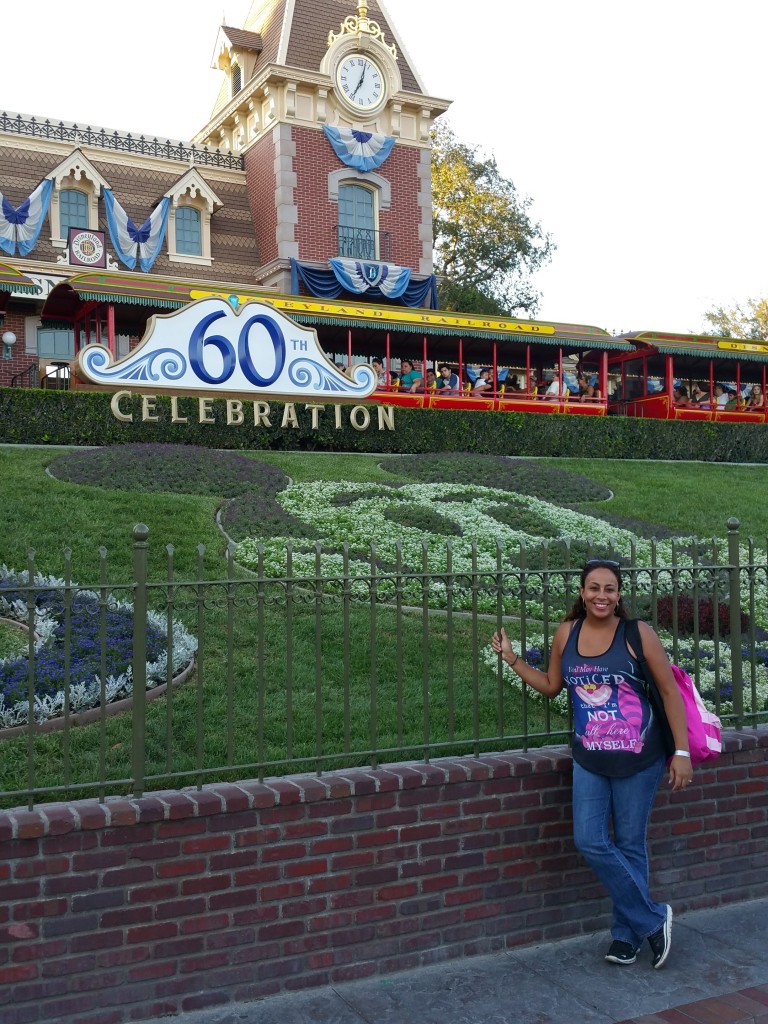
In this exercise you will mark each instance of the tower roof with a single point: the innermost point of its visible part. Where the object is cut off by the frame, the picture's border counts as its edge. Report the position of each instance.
(295, 34)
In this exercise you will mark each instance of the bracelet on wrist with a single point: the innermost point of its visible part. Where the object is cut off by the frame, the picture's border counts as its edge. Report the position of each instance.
(682, 753)
(513, 663)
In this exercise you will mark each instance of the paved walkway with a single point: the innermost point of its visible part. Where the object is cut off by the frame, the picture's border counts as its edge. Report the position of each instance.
(717, 973)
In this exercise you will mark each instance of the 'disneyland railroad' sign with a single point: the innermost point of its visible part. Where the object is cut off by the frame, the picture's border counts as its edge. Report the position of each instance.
(210, 347)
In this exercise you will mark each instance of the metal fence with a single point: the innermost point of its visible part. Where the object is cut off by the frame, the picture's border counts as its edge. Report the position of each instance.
(309, 671)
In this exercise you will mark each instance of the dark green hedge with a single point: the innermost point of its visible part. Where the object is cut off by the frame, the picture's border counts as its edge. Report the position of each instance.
(84, 417)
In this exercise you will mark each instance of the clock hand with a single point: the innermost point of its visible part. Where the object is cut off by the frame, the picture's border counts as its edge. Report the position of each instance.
(354, 91)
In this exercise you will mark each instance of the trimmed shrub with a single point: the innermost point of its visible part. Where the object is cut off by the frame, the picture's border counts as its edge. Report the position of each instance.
(34, 416)
(685, 613)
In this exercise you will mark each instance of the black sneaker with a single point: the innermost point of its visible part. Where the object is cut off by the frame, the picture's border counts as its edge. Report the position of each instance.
(621, 952)
(661, 941)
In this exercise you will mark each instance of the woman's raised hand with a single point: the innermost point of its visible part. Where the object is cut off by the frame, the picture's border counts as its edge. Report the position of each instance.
(501, 644)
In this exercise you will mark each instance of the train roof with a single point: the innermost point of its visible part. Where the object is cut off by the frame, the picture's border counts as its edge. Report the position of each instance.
(705, 345)
(166, 293)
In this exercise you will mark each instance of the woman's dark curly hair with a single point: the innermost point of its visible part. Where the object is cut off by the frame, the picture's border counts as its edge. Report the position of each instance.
(579, 609)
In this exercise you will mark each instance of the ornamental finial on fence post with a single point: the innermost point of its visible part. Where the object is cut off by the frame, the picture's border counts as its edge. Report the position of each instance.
(734, 600)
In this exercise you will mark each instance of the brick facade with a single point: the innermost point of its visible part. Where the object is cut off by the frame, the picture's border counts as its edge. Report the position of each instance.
(135, 908)
(318, 216)
(20, 359)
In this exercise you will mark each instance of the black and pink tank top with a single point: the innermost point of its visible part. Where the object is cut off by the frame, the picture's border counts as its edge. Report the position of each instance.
(615, 729)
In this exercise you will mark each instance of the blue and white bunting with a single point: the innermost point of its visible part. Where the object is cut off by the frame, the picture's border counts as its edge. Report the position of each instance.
(363, 151)
(359, 275)
(129, 240)
(21, 225)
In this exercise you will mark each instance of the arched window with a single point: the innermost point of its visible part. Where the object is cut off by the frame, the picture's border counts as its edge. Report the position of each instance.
(358, 237)
(73, 210)
(237, 79)
(189, 237)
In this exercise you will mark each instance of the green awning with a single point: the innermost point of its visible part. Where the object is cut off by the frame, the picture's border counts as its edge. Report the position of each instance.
(702, 346)
(12, 280)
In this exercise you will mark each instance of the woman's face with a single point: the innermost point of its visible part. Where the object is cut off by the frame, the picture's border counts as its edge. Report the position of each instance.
(756, 390)
(600, 593)
(405, 366)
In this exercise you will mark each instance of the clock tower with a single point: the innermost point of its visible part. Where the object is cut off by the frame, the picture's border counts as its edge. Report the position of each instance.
(333, 123)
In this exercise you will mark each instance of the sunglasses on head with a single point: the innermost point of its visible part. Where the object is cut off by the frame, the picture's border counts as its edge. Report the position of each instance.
(606, 563)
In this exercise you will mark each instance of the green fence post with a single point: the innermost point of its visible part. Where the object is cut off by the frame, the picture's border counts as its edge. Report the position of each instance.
(140, 547)
(734, 599)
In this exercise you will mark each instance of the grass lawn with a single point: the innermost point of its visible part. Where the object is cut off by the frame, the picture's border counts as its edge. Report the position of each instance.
(252, 713)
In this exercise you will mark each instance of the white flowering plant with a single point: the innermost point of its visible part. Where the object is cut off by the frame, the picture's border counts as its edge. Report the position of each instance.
(359, 525)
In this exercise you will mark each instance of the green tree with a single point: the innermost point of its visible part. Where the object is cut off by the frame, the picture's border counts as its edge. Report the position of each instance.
(750, 323)
(486, 246)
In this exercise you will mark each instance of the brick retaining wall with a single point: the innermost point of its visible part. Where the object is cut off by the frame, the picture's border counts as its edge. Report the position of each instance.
(131, 909)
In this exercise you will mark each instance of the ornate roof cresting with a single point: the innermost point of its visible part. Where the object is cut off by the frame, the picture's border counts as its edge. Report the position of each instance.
(360, 24)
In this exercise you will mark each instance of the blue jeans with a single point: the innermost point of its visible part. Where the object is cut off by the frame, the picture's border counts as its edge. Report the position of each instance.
(621, 862)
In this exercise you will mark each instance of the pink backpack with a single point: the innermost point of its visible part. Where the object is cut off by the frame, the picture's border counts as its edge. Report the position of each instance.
(704, 727)
(705, 739)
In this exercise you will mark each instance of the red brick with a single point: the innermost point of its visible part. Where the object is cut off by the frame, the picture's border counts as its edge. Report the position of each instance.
(40, 908)
(177, 868)
(15, 973)
(206, 844)
(152, 933)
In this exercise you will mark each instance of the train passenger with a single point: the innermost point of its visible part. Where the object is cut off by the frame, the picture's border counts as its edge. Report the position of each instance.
(755, 399)
(554, 388)
(483, 381)
(593, 388)
(699, 397)
(450, 379)
(431, 384)
(410, 380)
(681, 398)
(378, 369)
(721, 396)
(514, 383)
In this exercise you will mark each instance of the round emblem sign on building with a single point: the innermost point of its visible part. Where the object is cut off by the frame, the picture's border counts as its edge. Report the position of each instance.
(86, 248)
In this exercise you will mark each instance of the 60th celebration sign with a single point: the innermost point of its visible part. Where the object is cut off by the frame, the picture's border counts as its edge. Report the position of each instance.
(210, 347)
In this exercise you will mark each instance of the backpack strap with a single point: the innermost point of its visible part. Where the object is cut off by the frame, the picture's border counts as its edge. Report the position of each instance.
(632, 634)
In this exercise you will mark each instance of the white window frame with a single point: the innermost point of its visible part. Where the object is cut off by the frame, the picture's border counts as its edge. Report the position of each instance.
(192, 190)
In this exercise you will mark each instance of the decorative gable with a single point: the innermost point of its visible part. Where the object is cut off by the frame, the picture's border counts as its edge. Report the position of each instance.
(75, 172)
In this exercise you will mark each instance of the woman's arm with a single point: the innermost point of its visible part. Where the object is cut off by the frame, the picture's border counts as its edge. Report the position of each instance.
(551, 682)
(680, 768)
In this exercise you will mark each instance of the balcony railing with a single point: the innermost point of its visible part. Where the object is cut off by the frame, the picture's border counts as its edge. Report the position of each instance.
(363, 243)
(84, 135)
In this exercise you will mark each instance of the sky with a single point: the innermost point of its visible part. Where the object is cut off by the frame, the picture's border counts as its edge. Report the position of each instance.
(638, 130)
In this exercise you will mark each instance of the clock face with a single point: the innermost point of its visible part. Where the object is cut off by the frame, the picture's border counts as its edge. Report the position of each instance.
(360, 82)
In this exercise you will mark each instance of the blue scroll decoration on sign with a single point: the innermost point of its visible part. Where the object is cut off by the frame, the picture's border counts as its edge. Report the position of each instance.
(171, 365)
(359, 275)
(21, 225)
(129, 240)
(364, 151)
(306, 373)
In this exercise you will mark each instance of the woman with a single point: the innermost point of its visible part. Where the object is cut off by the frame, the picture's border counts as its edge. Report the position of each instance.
(409, 378)
(680, 397)
(755, 399)
(699, 397)
(617, 750)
